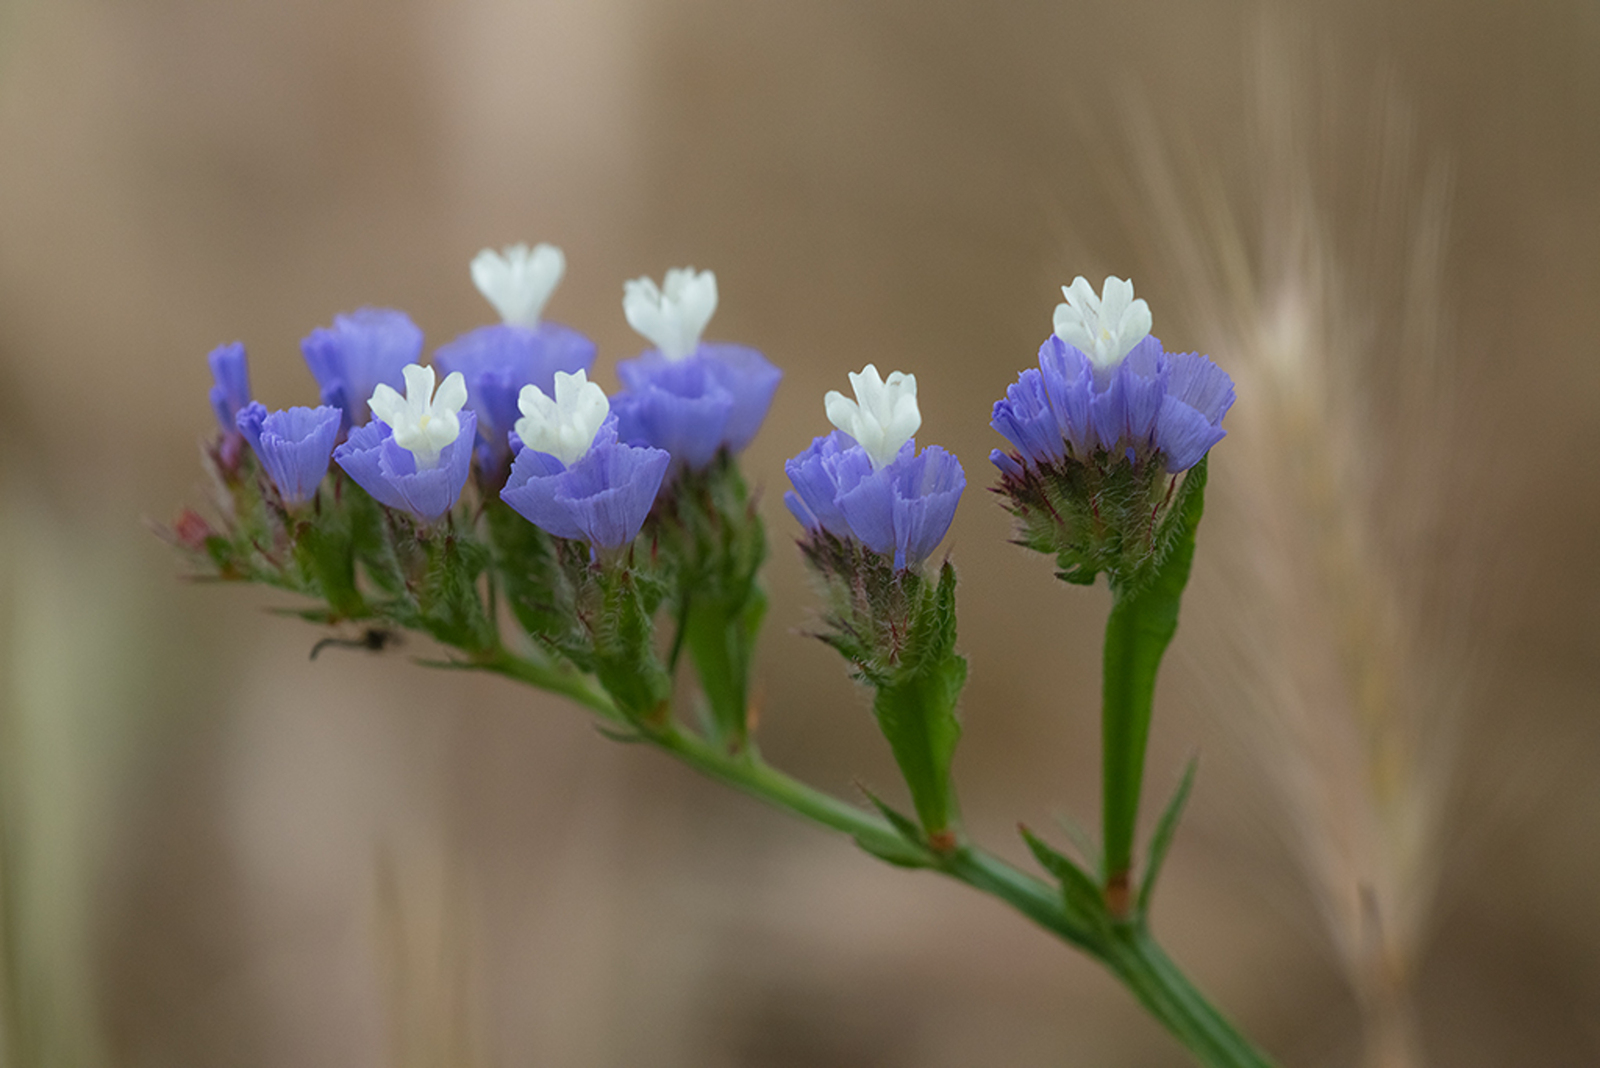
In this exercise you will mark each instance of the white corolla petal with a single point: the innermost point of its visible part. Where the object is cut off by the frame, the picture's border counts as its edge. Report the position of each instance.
(422, 422)
(1082, 297)
(518, 281)
(1136, 324)
(419, 387)
(843, 412)
(533, 404)
(641, 306)
(695, 292)
(671, 316)
(564, 426)
(840, 408)
(1104, 328)
(387, 404)
(884, 415)
(585, 400)
(868, 385)
(903, 417)
(1117, 296)
(452, 392)
(436, 430)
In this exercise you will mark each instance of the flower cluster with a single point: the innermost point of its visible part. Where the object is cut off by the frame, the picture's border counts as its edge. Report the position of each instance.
(618, 535)
(596, 520)
(1102, 433)
(1099, 431)
(515, 404)
(1099, 428)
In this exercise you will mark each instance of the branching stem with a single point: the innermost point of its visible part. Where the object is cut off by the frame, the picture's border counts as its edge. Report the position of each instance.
(1127, 949)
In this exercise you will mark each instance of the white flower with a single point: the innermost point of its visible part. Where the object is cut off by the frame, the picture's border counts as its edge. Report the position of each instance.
(672, 317)
(1104, 328)
(564, 427)
(423, 421)
(883, 416)
(519, 281)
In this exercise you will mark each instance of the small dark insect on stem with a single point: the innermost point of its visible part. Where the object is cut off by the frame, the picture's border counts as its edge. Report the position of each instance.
(373, 640)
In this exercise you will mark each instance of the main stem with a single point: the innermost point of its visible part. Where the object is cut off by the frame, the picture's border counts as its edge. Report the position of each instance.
(1144, 617)
(1127, 949)
(1128, 687)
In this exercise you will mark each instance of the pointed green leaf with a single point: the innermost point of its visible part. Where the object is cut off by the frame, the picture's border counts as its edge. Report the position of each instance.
(1087, 847)
(1166, 827)
(714, 543)
(447, 595)
(624, 650)
(917, 716)
(1081, 893)
(911, 851)
(900, 856)
(916, 701)
(906, 827)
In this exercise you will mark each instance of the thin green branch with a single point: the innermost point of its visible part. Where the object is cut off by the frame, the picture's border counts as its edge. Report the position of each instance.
(556, 678)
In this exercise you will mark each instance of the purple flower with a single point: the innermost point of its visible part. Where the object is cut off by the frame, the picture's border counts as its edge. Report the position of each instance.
(292, 445)
(497, 361)
(684, 395)
(602, 497)
(1199, 394)
(1149, 403)
(1105, 386)
(1100, 431)
(833, 463)
(361, 351)
(231, 391)
(390, 473)
(713, 399)
(906, 507)
(902, 509)
(867, 481)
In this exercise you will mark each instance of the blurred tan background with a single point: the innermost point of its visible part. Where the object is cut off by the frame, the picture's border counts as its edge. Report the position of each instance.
(218, 853)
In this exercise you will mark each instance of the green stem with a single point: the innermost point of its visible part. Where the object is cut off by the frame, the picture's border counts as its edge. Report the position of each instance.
(1132, 653)
(561, 679)
(747, 772)
(1166, 993)
(1143, 619)
(1127, 950)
